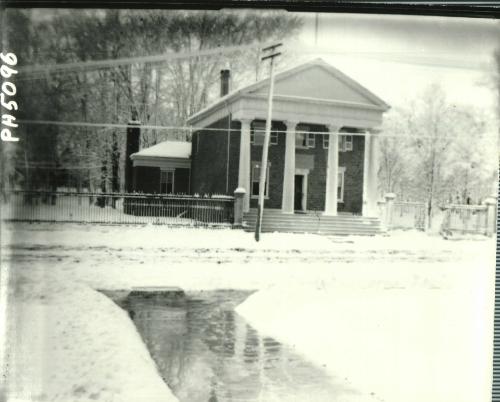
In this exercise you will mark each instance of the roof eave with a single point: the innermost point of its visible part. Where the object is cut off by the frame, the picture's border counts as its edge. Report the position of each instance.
(154, 157)
(219, 104)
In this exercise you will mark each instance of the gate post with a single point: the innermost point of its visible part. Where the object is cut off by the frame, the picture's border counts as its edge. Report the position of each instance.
(491, 216)
(239, 195)
(389, 202)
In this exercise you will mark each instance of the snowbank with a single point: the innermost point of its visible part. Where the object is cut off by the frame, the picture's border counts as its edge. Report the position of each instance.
(70, 343)
(412, 344)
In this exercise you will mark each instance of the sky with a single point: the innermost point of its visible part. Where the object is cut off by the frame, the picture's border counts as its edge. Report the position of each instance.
(396, 57)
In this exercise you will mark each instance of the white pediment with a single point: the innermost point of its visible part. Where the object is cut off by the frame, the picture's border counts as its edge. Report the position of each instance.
(314, 92)
(319, 80)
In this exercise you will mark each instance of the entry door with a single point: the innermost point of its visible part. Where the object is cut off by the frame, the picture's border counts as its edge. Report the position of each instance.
(298, 195)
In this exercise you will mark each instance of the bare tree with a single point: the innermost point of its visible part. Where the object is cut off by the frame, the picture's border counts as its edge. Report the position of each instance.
(471, 163)
(393, 173)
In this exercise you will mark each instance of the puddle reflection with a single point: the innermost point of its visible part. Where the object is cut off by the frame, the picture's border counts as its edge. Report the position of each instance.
(206, 352)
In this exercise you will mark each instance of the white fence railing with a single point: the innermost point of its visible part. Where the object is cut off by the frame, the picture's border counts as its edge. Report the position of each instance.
(476, 219)
(402, 214)
(408, 215)
(118, 208)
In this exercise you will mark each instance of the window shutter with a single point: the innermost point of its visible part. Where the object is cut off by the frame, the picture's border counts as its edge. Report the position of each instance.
(348, 144)
(311, 140)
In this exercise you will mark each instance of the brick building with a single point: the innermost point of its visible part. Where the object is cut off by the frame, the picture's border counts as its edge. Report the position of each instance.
(322, 154)
(162, 169)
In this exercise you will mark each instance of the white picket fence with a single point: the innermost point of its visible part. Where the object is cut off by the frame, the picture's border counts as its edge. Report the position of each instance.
(118, 208)
(455, 218)
(476, 219)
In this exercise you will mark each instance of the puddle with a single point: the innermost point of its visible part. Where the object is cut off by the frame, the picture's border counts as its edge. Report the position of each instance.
(206, 352)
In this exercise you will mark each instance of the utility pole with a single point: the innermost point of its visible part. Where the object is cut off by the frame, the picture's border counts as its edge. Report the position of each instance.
(265, 146)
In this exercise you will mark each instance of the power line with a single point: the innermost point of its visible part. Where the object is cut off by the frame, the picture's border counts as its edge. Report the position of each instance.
(95, 125)
(225, 130)
(108, 63)
(37, 167)
(412, 58)
(409, 58)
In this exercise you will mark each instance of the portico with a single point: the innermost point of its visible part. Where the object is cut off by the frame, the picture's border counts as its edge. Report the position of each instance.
(291, 169)
(324, 142)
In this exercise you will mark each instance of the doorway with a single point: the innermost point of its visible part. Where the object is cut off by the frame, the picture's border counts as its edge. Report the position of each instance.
(299, 193)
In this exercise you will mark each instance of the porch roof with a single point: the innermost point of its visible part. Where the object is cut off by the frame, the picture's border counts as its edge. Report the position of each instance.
(165, 155)
(165, 149)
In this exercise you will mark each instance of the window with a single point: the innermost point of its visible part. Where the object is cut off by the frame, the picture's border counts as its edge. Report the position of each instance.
(303, 139)
(259, 131)
(274, 138)
(256, 179)
(326, 141)
(345, 143)
(340, 184)
(166, 182)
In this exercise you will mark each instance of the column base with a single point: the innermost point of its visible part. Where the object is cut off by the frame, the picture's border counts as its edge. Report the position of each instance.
(370, 211)
(330, 213)
(246, 204)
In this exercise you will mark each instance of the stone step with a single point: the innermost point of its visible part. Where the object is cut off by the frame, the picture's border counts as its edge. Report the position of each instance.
(293, 218)
(343, 224)
(315, 223)
(309, 216)
(332, 232)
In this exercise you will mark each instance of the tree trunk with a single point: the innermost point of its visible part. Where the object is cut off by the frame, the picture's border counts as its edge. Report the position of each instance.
(115, 165)
(431, 192)
(101, 201)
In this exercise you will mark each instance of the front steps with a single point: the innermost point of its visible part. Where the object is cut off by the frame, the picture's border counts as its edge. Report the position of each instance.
(343, 224)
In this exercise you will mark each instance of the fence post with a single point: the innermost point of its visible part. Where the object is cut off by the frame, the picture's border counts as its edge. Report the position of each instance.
(239, 194)
(491, 216)
(389, 202)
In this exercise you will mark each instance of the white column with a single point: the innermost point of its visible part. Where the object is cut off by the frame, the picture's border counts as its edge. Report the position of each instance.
(244, 165)
(288, 202)
(332, 169)
(366, 169)
(371, 153)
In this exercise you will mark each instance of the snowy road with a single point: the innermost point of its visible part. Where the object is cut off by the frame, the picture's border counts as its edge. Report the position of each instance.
(410, 315)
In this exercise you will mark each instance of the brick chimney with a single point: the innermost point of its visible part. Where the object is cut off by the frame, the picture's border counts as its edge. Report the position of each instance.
(225, 78)
(132, 146)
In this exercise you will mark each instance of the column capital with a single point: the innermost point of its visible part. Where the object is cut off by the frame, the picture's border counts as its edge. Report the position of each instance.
(244, 120)
(333, 128)
(290, 124)
(373, 131)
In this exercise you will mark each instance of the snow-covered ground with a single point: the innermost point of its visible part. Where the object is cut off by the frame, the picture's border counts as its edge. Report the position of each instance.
(67, 342)
(403, 317)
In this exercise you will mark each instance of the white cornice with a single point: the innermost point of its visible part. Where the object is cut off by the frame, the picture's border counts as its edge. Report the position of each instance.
(228, 100)
(304, 99)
